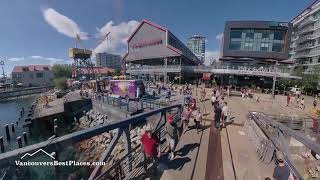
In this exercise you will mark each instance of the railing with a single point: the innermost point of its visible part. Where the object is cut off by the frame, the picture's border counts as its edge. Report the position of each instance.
(23, 92)
(124, 132)
(280, 132)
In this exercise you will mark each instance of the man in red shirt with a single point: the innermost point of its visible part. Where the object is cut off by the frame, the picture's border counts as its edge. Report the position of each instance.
(151, 150)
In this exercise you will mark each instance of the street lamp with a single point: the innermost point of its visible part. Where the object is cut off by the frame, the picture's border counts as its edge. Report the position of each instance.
(274, 79)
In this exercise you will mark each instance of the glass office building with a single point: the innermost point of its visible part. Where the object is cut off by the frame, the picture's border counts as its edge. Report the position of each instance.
(256, 40)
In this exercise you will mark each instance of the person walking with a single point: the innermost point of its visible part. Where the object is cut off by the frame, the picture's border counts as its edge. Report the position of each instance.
(303, 106)
(225, 114)
(171, 134)
(186, 114)
(217, 115)
(282, 170)
(288, 100)
(151, 150)
(198, 119)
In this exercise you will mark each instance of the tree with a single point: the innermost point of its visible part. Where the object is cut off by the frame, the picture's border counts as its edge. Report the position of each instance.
(117, 72)
(62, 70)
(60, 83)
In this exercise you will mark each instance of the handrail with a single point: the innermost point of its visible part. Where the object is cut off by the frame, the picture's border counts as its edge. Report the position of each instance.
(69, 139)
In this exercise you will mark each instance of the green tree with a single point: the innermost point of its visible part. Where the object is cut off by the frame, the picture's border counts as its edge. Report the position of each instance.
(117, 72)
(60, 83)
(62, 70)
(309, 81)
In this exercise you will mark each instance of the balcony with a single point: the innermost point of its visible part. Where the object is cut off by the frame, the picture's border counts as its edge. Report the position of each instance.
(305, 47)
(306, 38)
(308, 21)
(306, 30)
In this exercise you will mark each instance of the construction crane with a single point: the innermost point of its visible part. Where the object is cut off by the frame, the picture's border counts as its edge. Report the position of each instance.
(82, 63)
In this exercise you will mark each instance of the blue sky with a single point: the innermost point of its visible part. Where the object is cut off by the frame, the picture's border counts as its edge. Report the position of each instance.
(41, 31)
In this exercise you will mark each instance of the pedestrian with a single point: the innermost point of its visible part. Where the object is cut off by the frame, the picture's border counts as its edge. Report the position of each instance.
(303, 106)
(288, 99)
(186, 114)
(225, 118)
(193, 105)
(282, 170)
(217, 115)
(298, 100)
(228, 91)
(213, 99)
(151, 150)
(171, 134)
(198, 119)
(315, 101)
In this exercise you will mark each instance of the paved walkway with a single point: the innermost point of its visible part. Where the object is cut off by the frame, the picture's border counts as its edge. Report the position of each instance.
(228, 154)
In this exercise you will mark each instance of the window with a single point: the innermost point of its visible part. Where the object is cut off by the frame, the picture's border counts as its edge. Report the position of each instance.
(276, 47)
(235, 34)
(278, 35)
(39, 75)
(235, 45)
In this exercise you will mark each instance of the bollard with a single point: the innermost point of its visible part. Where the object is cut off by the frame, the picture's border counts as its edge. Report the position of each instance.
(55, 122)
(1, 144)
(19, 141)
(12, 127)
(55, 130)
(7, 132)
(25, 138)
(20, 113)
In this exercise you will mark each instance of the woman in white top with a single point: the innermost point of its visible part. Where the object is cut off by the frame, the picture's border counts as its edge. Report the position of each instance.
(225, 114)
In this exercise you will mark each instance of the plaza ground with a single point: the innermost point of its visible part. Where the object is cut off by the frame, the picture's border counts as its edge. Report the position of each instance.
(228, 154)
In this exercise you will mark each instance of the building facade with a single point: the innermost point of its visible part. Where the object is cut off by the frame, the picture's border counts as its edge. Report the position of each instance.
(153, 45)
(256, 45)
(112, 61)
(33, 75)
(305, 44)
(258, 41)
(197, 44)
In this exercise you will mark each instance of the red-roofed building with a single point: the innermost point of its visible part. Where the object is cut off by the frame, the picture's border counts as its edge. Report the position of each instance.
(33, 75)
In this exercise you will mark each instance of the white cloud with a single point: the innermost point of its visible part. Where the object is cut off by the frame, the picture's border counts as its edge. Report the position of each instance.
(36, 57)
(211, 56)
(117, 39)
(15, 59)
(219, 36)
(63, 24)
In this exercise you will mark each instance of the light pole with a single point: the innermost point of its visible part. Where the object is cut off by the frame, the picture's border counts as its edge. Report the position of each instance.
(165, 70)
(274, 79)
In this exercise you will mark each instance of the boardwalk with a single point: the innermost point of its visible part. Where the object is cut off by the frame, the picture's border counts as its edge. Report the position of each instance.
(227, 154)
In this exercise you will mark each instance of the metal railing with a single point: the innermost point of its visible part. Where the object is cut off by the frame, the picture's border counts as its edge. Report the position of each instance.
(278, 130)
(122, 133)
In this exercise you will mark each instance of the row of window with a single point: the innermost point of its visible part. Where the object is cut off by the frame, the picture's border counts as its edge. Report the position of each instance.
(251, 46)
(37, 75)
(257, 34)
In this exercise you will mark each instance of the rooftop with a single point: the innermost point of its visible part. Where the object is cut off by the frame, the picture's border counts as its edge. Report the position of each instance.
(31, 68)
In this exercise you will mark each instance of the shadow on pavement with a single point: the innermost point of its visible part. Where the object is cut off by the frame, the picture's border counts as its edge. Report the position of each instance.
(186, 149)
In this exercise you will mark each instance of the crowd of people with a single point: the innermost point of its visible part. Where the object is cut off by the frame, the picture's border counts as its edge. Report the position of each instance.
(295, 101)
(178, 124)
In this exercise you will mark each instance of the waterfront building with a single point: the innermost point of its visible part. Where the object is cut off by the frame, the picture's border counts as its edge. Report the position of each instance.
(112, 61)
(33, 75)
(197, 44)
(97, 71)
(305, 44)
(260, 44)
(153, 45)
